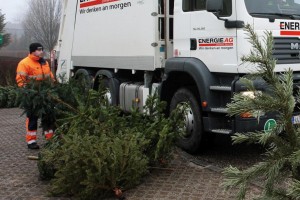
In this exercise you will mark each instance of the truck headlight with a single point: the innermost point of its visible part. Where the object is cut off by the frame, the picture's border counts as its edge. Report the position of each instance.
(252, 95)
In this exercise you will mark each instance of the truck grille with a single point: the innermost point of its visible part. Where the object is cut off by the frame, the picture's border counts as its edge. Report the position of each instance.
(286, 50)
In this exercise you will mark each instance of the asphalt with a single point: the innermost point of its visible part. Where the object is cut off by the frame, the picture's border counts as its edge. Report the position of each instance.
(182, 179)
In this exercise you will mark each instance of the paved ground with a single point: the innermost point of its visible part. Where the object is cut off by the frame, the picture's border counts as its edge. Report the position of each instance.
(182, 180)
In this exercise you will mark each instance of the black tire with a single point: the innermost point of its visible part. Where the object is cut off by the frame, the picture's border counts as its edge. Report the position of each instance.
(86, 78)
(191, 142)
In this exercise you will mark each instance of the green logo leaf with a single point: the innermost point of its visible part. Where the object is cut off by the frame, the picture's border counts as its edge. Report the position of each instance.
(269, 125)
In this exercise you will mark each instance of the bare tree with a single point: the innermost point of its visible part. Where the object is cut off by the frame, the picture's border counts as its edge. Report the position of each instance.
(42, 21)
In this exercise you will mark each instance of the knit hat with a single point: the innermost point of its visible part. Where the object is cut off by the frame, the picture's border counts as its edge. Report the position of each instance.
(35, 46)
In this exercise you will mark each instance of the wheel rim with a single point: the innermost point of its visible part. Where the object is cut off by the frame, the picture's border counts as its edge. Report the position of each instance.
(108, 96)
(188, 128)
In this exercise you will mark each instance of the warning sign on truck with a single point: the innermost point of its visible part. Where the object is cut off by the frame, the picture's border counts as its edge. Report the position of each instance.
(216, 43)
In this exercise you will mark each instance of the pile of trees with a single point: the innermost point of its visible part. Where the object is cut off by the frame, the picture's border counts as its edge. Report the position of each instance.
(97, 149)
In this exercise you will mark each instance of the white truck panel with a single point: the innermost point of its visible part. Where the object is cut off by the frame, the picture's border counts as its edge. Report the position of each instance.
(66, 39)
(117, 34)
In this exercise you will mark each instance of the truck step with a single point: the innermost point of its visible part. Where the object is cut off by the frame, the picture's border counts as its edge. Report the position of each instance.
(219, 110)
(220, 88)
(221, 131)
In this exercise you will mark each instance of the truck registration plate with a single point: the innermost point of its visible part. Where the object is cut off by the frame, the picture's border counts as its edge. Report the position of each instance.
(296, 119)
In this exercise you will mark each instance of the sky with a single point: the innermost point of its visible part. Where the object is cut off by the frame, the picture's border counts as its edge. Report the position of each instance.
(13, 9)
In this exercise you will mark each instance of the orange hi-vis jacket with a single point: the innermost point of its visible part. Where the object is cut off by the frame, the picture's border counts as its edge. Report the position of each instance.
(31, 68)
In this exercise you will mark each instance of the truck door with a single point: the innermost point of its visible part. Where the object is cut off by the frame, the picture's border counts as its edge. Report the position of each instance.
(182, 26)
(210, 40)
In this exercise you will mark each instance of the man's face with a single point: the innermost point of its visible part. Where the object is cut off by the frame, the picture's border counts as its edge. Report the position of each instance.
(39, 52)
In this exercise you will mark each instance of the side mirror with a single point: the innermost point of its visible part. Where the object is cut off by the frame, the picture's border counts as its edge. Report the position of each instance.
(214, 6)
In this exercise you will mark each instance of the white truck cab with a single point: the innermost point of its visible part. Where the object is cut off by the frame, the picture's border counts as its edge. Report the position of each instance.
(188, 50)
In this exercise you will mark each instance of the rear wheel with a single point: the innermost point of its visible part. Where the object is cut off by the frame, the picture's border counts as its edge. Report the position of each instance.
(85, 78)
(112, 89)
(191, 140)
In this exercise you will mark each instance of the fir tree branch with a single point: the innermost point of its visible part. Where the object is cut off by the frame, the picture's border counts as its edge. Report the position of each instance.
(282, 142)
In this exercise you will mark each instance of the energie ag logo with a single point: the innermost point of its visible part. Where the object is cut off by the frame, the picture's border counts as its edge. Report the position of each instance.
(213, 42)
(289, 28)
(88, 3)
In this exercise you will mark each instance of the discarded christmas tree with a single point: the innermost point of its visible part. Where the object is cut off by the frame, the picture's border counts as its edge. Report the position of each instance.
(279, 172)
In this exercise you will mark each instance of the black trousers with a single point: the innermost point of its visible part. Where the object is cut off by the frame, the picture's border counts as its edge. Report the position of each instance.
(32, 122)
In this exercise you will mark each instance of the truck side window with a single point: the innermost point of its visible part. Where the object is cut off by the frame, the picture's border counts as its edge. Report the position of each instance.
(200, 5)
(197, 5)
(227, 8)
(193, 5)
(186, 5)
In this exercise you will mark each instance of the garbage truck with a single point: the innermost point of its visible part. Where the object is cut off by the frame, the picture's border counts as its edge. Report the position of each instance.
(189, 51)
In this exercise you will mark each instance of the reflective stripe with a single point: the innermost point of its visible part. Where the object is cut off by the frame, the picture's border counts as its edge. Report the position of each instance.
(48, 134)
(22, 73)
(40, 76)
(31, 141)
(46, 75)
(33, 133)
(48, 131)
(34, 76)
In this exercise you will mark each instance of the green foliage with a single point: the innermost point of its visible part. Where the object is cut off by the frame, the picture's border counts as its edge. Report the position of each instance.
(43, 98)
(282, 159)
(6, 36)
(294, 191)
(8, 97)
(97, 148)
(95, 164)
(35, 98)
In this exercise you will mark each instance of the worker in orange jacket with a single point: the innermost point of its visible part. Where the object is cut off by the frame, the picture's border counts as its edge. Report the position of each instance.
(34, 67)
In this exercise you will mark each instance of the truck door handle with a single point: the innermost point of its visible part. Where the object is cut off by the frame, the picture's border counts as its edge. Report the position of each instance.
(193, 44)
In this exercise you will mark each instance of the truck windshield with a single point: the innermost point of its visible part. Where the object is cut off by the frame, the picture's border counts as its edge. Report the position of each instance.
(277, 9)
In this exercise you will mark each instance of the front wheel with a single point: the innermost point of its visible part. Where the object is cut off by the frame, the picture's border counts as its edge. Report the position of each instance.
(191, 140)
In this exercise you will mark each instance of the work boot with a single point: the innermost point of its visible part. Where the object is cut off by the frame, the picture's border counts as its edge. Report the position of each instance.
(33, 146)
